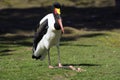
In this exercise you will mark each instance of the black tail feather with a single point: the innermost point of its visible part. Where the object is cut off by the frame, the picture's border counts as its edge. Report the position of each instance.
(34, 57)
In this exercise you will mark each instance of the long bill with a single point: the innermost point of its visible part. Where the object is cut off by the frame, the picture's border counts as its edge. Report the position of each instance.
(61, 25)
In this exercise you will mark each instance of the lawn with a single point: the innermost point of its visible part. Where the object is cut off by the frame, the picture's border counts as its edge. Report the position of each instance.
(95, 51)
(43, 3)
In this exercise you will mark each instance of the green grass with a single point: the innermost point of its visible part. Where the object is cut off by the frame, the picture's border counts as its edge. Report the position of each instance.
(95, 51)
(43, 3)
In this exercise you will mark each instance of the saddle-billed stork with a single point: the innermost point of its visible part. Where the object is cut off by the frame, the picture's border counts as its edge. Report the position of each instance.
(48, 34)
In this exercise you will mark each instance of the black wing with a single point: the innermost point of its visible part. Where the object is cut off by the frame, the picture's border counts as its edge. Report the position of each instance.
(42, 29)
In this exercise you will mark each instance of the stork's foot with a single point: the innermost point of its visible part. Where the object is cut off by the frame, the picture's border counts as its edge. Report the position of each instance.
(80, 70)
(72, 68)
(76, 69)
(60, 65)
(50, 67)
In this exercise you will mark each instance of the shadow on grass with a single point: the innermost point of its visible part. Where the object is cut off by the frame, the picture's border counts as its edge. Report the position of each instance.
(105, 18)
(75, 37)
(11, 20)
(82, 64)
(69, 44)
(5, 52)
(16, 40)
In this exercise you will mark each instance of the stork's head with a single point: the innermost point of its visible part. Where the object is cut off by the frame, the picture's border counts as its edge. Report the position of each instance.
(57, 12)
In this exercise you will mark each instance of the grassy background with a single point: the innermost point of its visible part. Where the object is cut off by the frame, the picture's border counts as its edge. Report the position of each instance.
(39, 3)
(95, 51)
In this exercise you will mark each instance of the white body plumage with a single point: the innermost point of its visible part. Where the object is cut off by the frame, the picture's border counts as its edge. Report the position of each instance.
(51, 38)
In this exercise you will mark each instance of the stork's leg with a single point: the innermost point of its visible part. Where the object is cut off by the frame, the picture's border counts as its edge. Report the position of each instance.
(59, 61)
(49, 61)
